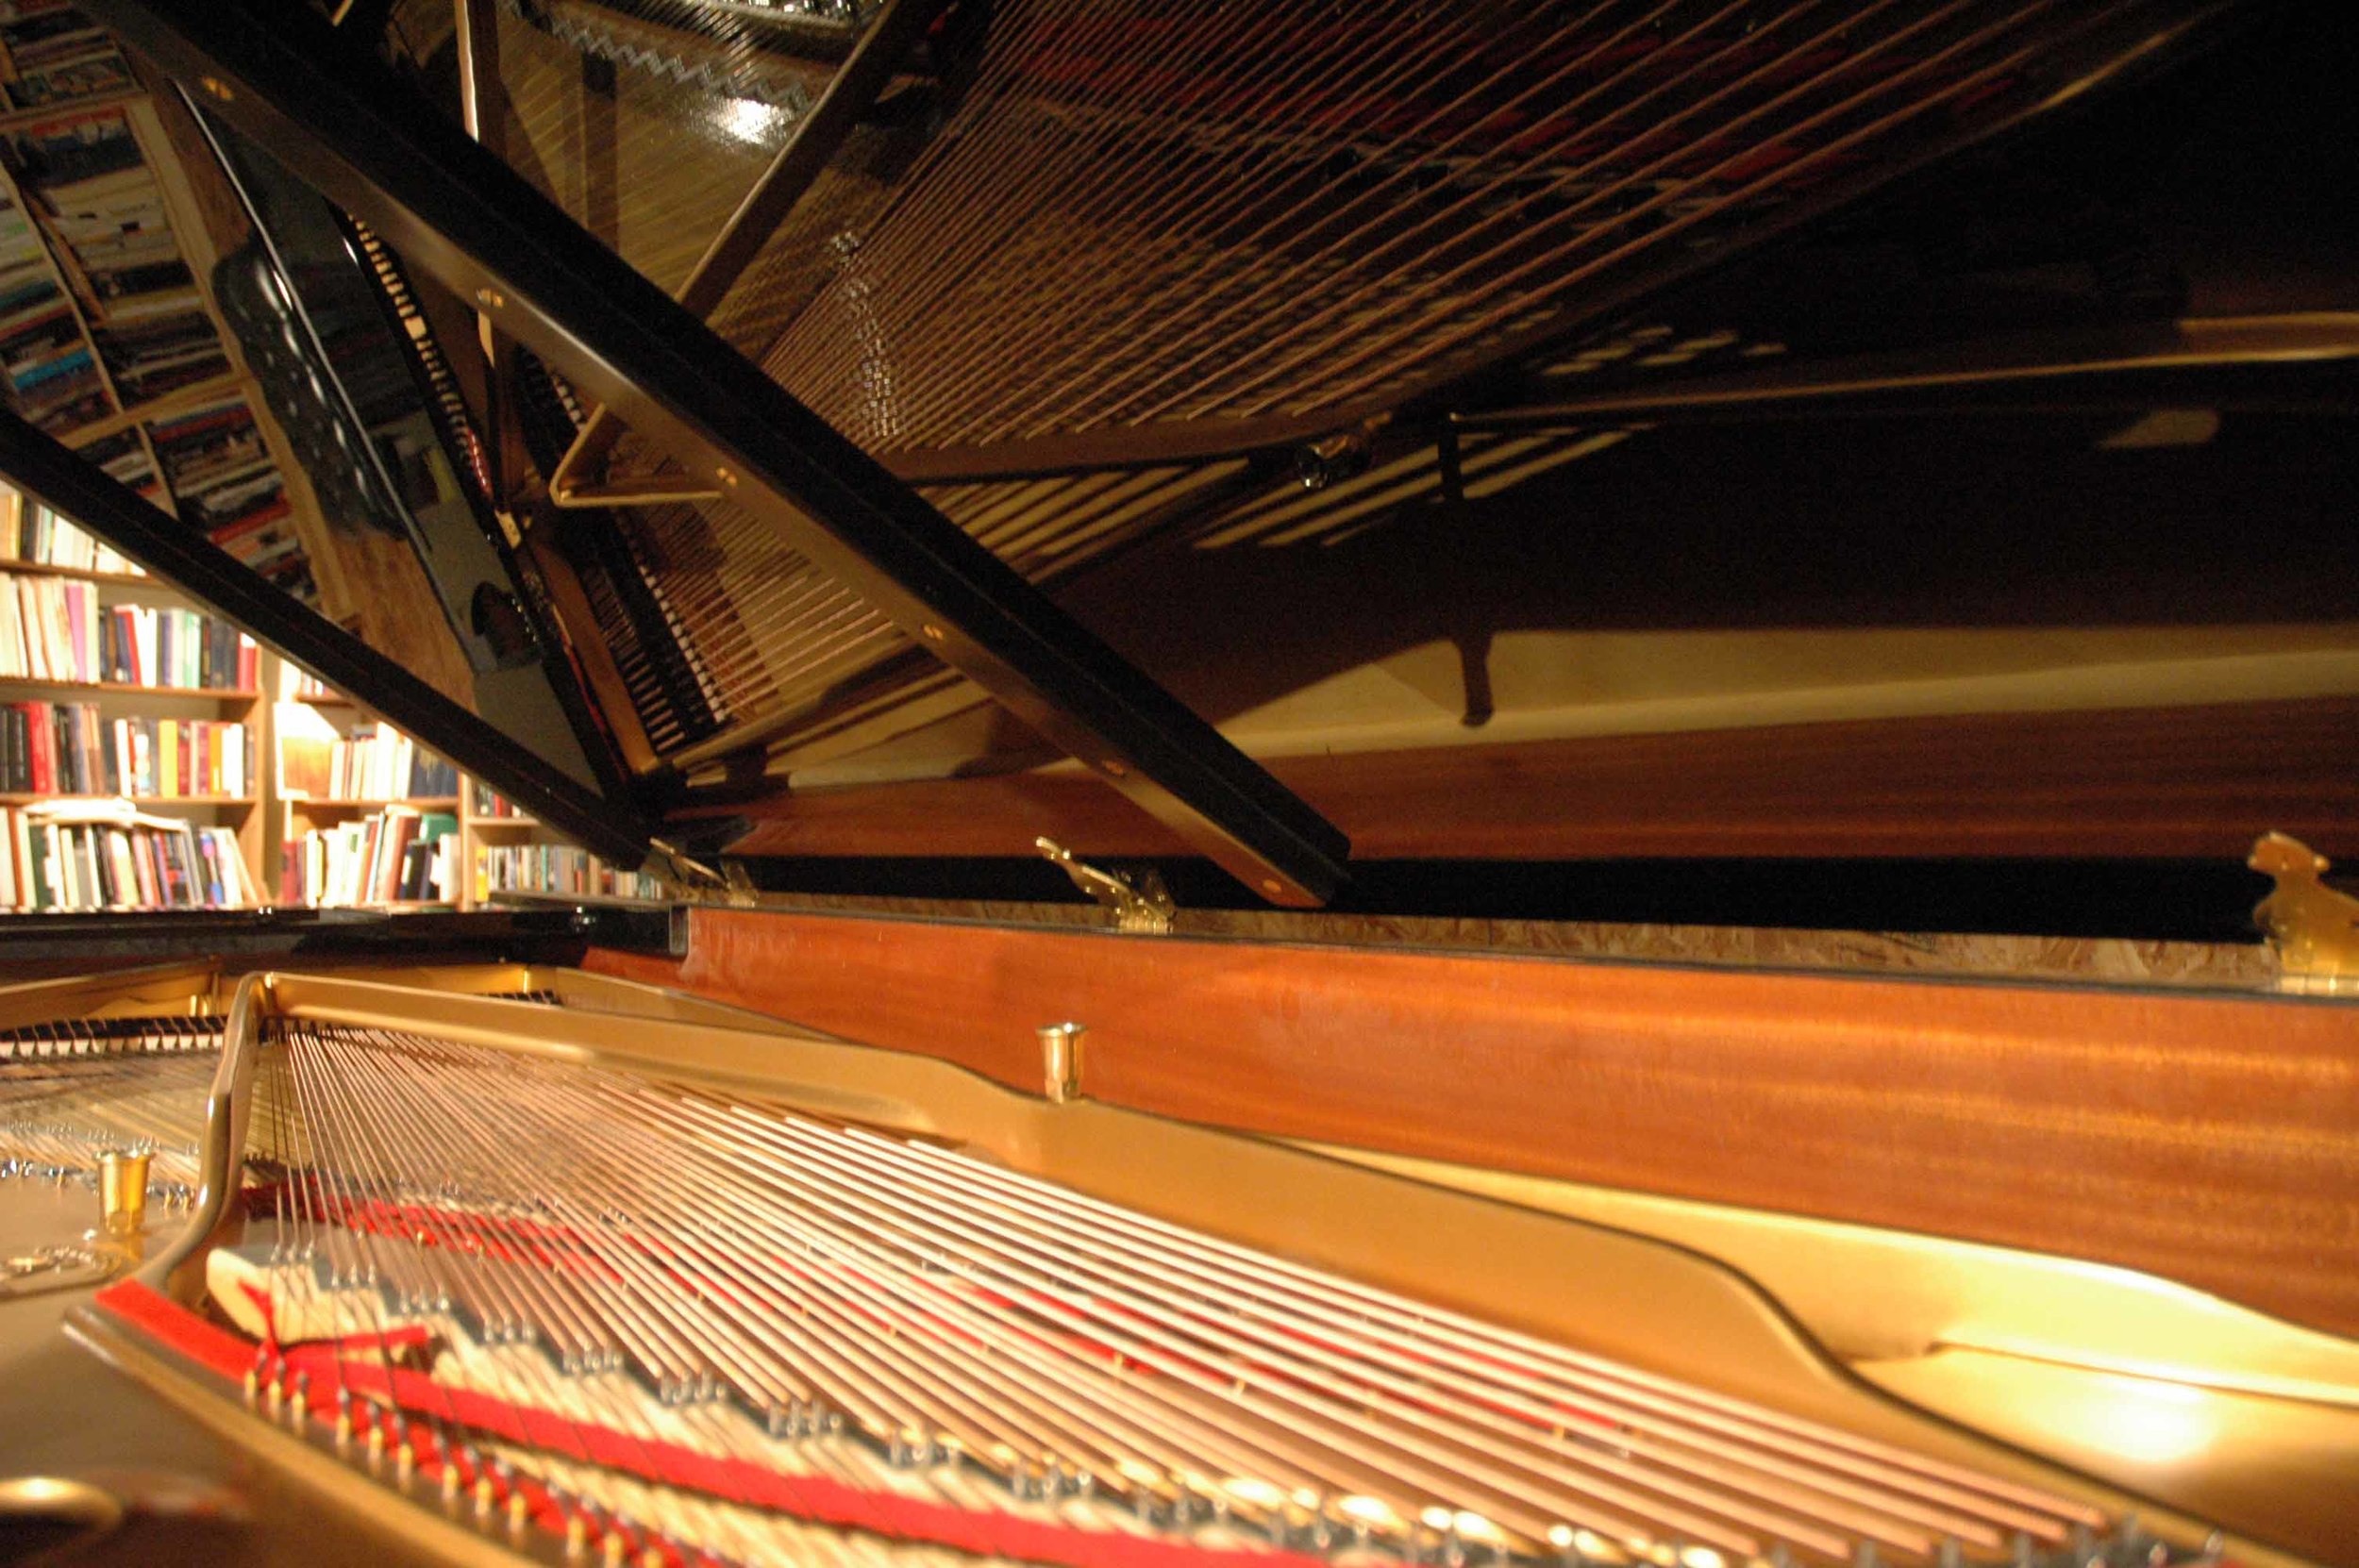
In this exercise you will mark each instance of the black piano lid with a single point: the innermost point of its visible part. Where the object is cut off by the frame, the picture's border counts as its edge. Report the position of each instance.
(1605, 434)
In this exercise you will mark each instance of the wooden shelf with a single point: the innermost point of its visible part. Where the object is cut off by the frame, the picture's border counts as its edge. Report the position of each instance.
(127, 909)
(138, 802)
(119, 688)
(16, 118)
(309, 802)
(43, 569)
(161, 406)
(504, 822)
(611, 900)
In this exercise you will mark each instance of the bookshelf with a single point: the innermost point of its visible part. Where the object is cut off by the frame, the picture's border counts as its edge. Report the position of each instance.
(110, 338)
(492, 847)
(239, 775)
(14, 797)
(505, 851)
(121, 789)
(117, 226)
(369, 819)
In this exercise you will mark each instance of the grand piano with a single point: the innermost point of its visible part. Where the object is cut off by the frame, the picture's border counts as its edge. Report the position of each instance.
(1438, 783)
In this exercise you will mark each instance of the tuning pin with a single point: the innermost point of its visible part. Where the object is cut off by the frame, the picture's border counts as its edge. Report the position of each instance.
(1437, 1537)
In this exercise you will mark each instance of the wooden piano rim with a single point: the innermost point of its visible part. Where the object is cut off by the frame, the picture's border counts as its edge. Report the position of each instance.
(2080, 1121)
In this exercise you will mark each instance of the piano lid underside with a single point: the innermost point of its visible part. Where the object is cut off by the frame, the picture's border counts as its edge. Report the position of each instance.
(1100, 282)
(1341, 374)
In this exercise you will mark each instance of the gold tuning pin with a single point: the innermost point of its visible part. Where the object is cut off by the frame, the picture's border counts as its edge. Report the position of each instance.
(2313, 930)
(1061, 1061)
(123, 1192)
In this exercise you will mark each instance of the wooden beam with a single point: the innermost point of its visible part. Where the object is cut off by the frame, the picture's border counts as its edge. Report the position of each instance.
(2208, 1139)
(2198, 781)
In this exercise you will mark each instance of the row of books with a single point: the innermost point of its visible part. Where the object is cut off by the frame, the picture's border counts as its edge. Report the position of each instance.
(103, 225)
(398, 855)
(49, 629)
(124, 457)
(222, 480)
(375, 763)
(295, 682)
(51, 375)
(113, 858)
(491, 803)
(54, 628)
(55, 54)
(84, 175)
(557, 868)
(105, 212)
(160, 353)
(67, 749)
(31, 533)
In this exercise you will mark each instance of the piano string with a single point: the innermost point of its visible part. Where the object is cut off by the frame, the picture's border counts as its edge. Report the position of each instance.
(739, 1302)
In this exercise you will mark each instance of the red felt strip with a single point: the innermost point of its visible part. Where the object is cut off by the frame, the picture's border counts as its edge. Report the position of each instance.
(356, 1364)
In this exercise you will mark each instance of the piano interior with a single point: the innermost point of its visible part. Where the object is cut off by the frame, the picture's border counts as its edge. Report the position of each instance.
(1663, 627)
(564, 1262)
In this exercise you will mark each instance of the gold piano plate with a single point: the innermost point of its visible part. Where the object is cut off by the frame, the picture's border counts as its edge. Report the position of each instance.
(1644, 1287)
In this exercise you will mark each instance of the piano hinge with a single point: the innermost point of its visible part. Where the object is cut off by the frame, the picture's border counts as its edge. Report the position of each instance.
(690, 878)
(2313, 930)
(1142, 906)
